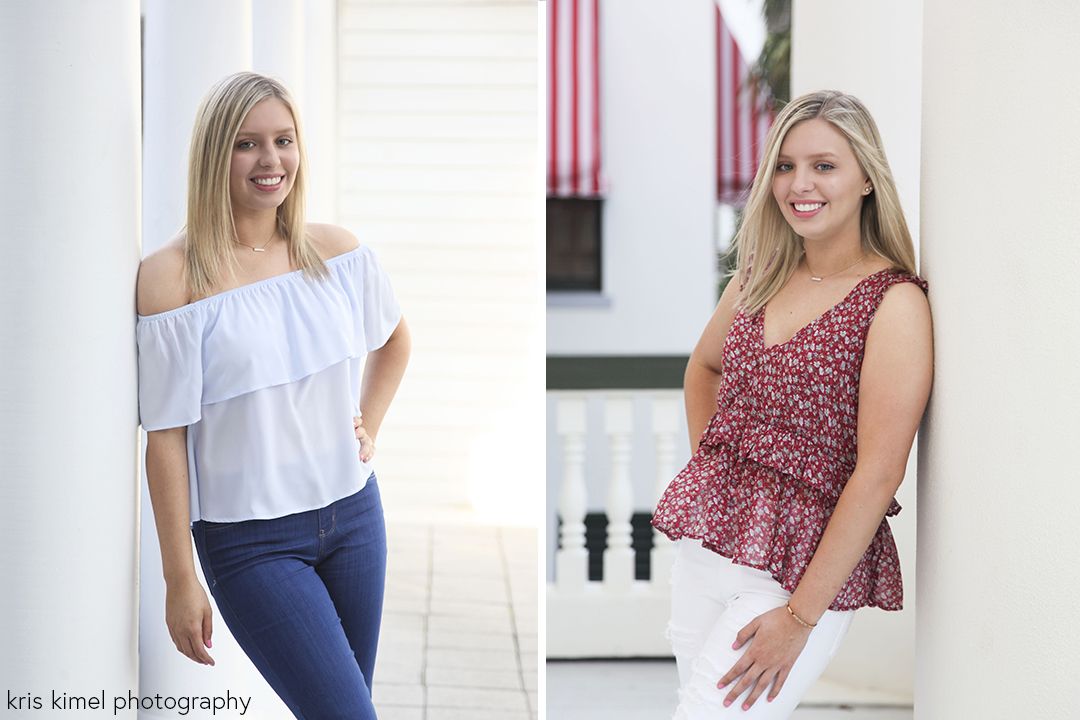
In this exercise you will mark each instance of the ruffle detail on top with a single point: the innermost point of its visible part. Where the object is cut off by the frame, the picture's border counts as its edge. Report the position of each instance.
(761, 497)
(784, 451)
(775, 458)
(268, 333)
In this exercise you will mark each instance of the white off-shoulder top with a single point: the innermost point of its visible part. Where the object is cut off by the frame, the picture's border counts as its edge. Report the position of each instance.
(266, 377)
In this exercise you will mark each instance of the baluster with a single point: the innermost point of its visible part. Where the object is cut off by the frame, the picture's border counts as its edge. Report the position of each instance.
(665, 423)
(619, 555)
(572, 560)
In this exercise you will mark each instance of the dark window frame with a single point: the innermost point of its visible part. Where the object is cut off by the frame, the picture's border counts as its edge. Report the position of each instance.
(574, 244)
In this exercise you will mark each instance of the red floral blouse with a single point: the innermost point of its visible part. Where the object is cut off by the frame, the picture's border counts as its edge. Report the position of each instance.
(776, 455)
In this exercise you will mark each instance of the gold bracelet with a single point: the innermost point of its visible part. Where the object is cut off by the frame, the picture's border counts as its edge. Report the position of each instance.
(799, 619)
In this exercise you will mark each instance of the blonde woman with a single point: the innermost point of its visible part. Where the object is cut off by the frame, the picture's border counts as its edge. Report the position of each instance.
(803, 396)
(251, 330)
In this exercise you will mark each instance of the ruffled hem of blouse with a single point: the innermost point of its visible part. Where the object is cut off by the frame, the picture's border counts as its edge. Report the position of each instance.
(294, 326)
(753, 496)
(863, 588)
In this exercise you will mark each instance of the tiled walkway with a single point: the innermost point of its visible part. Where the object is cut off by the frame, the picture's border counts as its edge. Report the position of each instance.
(459, 638)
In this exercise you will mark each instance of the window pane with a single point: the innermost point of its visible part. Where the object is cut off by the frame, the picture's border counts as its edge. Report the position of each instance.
(573, 244)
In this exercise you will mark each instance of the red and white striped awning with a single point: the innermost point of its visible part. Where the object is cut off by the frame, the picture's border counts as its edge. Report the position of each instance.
(743, 118)
(573, 94)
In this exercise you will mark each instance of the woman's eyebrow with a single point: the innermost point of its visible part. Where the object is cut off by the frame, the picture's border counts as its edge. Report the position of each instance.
(815, 156)
(251, 133)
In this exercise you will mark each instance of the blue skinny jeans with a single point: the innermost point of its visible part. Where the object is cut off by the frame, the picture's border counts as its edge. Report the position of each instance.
(302, 595)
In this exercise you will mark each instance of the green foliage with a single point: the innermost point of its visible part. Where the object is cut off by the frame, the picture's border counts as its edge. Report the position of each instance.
(772, 71)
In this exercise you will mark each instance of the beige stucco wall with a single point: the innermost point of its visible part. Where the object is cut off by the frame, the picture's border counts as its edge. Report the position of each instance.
(999, 558)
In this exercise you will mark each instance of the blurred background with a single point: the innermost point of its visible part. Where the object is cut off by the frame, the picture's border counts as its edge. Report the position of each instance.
(967, 96)
(656, 119)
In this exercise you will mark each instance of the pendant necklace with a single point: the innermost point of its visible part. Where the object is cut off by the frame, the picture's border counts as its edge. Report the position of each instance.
(819, 279)
(263, 248)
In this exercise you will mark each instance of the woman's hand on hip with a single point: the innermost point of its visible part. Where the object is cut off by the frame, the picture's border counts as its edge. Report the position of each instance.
(367, 445)
(189, 617)
(777, 640)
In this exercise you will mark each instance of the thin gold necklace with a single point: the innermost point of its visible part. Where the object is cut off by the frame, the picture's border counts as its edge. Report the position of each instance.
(263, 248)
(819, 279)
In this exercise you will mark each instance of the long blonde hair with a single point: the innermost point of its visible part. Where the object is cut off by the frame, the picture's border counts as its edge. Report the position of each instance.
(769, 241)
(211, 229)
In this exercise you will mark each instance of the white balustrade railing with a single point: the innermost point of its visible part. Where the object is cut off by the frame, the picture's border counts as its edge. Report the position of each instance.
(617, 616)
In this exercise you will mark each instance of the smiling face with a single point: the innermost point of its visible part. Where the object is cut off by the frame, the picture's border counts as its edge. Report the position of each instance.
(818, 183)
(265, 158)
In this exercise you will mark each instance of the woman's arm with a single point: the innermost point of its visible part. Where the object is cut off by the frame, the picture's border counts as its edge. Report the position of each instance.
(383, 370)
(894, 387)
(187, 609)
(702, 379)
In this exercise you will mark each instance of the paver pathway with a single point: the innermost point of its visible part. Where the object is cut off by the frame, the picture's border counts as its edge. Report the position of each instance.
(459, 631)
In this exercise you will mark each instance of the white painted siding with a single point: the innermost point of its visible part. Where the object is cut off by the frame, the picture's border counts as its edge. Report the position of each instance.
(439, 173)
(658, 150)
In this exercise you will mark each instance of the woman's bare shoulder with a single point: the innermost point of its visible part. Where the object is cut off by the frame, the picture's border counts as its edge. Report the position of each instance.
(904, 303)
(161, 285)
(330, 240)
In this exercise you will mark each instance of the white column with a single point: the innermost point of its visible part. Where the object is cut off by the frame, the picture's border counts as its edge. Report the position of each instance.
(278, 42)
(69, 199)
(999, 541)
(188, 46)
(296, 42)
(320, 107)
(874, 53)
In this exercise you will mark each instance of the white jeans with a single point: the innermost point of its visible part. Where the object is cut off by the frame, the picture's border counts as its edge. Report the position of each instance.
(712, 599)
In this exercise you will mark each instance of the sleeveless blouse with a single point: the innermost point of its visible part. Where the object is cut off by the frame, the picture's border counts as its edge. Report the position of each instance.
(266, 378)
(775, 457)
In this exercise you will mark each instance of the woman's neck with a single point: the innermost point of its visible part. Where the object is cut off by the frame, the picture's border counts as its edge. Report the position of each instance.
(255, 228)
(824, 257)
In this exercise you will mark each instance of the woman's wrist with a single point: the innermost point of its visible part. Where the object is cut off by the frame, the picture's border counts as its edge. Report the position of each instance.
(805, 606)
(798, 618)
(811, 598)
(179, 571)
